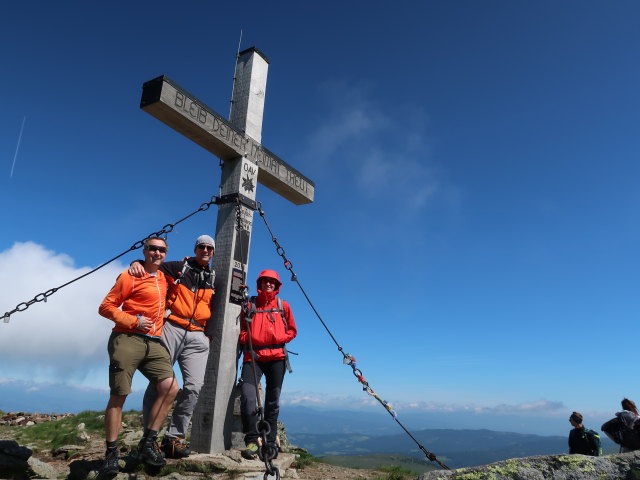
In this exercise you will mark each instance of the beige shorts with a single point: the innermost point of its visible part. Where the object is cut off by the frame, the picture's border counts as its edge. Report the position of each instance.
(129, 352)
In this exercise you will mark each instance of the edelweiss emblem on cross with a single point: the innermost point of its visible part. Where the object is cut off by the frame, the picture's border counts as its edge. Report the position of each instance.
(247, 184)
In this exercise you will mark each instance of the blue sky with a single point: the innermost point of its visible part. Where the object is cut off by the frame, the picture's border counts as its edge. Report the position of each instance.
(473, 239)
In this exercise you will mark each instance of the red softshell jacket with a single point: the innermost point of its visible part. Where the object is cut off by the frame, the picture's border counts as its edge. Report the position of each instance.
(268, 328)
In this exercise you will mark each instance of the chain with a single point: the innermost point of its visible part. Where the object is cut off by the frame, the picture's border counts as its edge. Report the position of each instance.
(347, 359)
(267, 453)
(42, 297)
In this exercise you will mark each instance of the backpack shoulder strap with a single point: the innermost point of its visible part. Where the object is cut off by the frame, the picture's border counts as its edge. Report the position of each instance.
(281, 309)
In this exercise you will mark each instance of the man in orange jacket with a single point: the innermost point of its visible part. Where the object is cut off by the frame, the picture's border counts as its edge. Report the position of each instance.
(272, 326)
(188, 309)
(136, 305)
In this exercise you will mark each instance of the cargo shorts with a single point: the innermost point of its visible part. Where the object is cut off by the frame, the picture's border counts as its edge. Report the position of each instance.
(129, 352)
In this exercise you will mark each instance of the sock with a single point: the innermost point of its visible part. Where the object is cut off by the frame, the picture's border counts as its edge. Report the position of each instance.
(111, 446)
(150, 435)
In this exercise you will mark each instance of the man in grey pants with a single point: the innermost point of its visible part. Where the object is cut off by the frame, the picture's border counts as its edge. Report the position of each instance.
(188, 308)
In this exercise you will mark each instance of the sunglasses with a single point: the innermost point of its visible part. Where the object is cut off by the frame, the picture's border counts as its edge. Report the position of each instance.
(208, 248)
(156, 248)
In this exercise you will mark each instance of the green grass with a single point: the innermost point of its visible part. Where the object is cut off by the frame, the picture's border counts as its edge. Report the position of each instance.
(373, 461)
(304, 460)
(192, 467)
(395, 472)
(52, 435)
(56, 433)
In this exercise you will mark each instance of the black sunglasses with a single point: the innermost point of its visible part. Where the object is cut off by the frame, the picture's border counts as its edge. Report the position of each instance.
(208, 248)
(156, 248)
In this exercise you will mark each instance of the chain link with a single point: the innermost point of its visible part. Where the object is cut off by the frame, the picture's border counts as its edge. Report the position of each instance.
(347, 359)
(267, 453)
(168, 228)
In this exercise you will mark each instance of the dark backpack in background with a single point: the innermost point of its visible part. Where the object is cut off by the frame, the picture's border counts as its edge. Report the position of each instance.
(594, 442)
(586, 442)
(618, 431)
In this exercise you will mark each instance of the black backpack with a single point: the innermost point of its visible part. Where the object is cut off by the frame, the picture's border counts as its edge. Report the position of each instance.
(619, 432)
(586, 442)
(594, 442)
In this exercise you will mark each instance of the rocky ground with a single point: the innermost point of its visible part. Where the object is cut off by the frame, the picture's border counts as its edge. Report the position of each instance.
(83, 457)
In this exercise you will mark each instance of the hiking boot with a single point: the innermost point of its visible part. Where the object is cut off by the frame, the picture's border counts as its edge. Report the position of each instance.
(174, 447)
(110, 466)
(250, 452)
(150, 453)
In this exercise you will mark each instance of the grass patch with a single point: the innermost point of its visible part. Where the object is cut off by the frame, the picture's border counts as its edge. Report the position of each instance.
(395, 472)
(54, 434)
(373, 461)
(189, 467)
(304, 460)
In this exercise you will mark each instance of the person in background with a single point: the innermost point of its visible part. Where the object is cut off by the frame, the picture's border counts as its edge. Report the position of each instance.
(629, 416)
(582, 440)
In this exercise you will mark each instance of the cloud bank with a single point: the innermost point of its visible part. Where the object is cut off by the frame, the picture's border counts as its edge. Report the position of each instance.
(535, 407)
(64, 338)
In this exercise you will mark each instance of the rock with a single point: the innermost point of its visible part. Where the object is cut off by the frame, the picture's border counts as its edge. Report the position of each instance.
(233, 455)
(80, 426)
(132, 437)
(66, 449)
(12, 467)
(291, 473)
(549, 467)
(12, 449)
(93, 475)
(83, 437)
(42, 469)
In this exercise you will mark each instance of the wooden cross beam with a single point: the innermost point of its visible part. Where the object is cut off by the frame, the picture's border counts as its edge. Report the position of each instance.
(182, 111)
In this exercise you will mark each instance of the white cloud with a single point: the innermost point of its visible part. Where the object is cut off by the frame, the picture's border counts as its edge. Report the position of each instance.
(537, 407)
(61, 339)
(533, 407)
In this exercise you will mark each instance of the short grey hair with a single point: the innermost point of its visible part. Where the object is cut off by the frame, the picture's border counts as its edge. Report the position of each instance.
(145, 242)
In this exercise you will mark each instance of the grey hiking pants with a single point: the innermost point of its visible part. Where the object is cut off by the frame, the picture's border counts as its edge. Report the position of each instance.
(191, 351)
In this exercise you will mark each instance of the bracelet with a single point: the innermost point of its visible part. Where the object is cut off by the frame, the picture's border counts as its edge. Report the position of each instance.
(140, 321)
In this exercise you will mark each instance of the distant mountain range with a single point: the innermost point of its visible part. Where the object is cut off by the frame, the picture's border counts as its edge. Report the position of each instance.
(457, 448)
(330, 433)
(376, 421)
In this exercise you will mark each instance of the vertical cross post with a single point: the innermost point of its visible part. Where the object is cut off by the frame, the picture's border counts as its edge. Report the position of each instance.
(213, 418)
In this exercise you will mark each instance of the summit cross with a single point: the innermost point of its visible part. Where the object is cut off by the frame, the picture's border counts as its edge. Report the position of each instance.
(245, 162)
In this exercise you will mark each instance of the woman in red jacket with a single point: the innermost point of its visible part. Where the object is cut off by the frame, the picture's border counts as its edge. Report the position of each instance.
(272, 327)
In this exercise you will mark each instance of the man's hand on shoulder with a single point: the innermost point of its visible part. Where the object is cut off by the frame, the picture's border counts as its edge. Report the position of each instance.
(136, 269)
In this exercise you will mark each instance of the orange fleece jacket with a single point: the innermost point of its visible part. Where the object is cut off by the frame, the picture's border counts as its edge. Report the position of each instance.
(138, 296)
